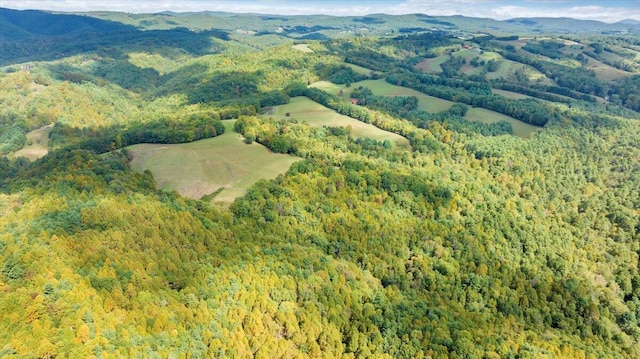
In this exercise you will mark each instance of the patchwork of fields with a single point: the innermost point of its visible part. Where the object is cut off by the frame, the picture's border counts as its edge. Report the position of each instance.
(432, 104)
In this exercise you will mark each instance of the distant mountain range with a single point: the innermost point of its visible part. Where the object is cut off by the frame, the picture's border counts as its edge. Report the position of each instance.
(18, 25)
(629, 22)
(28, 35)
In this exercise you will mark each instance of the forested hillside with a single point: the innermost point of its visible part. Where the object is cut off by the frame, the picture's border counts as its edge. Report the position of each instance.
(457, 240)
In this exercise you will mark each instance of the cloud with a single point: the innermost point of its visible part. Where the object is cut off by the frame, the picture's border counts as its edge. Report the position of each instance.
(605, 14)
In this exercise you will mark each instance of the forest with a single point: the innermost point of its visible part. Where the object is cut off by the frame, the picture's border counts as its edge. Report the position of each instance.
(469, 241)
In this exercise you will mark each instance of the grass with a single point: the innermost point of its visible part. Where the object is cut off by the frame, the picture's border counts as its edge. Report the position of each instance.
(302, 47)
(509, 94)
(427, 103)
(382, 88)
(37, 144)
(361, 70)
(508, 69)
(316, 115)
(223, 164)
(606, 72)
(432, 65)
(520, 129)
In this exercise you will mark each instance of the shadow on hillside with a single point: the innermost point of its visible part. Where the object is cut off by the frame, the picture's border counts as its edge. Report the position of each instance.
(59, 36)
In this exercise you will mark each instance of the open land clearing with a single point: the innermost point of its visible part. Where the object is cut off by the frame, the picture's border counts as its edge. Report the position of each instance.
(202, 167)
(37, 144)
(302, 47)
(303, 109)
(382, 88)
(431, 104)
(509, 94)
(520, 129)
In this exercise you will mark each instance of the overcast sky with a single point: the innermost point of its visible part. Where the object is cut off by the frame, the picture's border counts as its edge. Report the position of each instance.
(603, 10)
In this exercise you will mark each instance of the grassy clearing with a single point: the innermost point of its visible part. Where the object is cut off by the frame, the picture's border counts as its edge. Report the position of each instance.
(199, 168)
(334, 89)
(509, 94)
(302, 47)
(425, 102)
(361, 70)
(432, 65)
(37, 144)
(316, 115)
(520, 129)
(382, 88)
(508, 69)
(606, 72)
(470, 54)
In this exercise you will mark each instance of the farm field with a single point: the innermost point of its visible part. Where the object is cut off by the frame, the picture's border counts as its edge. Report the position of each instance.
(316, 115)
(37, 144)
(200, 168)
(520, 129)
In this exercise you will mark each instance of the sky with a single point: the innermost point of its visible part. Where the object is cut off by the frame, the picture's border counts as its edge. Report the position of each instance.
(602, 10)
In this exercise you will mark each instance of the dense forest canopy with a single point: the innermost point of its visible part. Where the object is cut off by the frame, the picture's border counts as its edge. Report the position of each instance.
(466, 242)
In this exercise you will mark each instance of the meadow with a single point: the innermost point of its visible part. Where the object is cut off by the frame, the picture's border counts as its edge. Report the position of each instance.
(509, 94)
(520, 129)
(316, 115)
(223, 163)
(382, 88)
(302, 47)
(37, 144)
(433, 104)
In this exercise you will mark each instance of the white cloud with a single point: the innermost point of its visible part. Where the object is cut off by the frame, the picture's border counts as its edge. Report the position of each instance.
(605, 14)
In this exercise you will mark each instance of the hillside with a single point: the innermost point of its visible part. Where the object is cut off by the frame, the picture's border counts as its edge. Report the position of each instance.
(395, 192)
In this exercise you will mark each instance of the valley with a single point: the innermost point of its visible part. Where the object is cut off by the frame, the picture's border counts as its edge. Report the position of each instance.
(212, 184)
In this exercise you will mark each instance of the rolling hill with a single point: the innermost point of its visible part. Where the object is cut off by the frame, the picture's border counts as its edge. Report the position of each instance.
(210, 190)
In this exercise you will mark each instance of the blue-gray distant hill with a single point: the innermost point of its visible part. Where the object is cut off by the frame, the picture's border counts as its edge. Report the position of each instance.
(32, 35)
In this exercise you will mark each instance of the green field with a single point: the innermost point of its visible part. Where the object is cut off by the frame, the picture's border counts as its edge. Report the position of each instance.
(37, 144)
(361, 70)
(382, 88)
(199, 168)
(425, 102)
(302, 47)
(508, 69)
(520, 129)
(316, 115)
(509, 94)
(432, 65)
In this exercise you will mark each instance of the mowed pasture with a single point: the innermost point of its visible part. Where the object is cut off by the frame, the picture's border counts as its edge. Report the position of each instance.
(432, 104)
(383, 88)
(202, 167)
(520, 129)
(603, 71)
(302, 47)
(508, 69)
(432, 65)
(304, 109)
(509, 94)
(37, 144)
(361, 70)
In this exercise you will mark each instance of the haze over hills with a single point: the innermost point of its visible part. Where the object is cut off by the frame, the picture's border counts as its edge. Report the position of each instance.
(210, 184)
